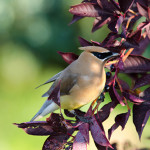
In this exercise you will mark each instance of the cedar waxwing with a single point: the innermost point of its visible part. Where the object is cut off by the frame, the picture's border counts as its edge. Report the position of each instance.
(81, 82)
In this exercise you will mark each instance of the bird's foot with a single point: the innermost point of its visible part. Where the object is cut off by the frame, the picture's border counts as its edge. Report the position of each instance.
(101, 97)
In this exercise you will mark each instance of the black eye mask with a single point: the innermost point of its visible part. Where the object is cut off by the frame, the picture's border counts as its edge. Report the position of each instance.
(102, 55)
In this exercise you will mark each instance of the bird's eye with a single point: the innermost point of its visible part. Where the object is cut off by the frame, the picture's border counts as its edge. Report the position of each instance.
(102, 55)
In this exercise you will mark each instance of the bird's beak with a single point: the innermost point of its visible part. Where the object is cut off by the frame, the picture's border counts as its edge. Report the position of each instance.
(112, 56)
(115, 54)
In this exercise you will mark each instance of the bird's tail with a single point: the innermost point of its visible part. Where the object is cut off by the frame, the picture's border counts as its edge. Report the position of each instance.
(48, 107)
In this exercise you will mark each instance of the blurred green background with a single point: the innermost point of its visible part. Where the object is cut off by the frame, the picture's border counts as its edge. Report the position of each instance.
(31, 33)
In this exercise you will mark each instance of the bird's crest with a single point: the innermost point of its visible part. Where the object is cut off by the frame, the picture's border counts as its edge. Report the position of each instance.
(94, 49)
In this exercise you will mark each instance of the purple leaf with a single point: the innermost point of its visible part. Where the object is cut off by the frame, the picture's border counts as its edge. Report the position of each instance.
(120, 120)
(68, 57)
(55, 142)
(105, 4)
(136, 35)
(96, 43)
(112, 129)
(125, 5)
(119, 23)
(79, 142)
(75, 19)
(112, 25)
(114, 95)
(124, 85)
(88, 10)
(99, 22)
(52, 126)
(142, 46)
(36, 128)
(99, 147)
(142, 10)
(136, 64)
(143, 3)
(133, 98)
(105, 111)
(55, 94)
(115, 4)
(98, 133)
(144, 80)
(141, 114)
(68, 113)
(84, 129)
(145, 95)
(133, 39)
(119, 98)
(109, 40)
(84, 42)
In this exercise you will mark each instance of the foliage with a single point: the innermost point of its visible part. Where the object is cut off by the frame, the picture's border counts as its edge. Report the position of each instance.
(130, 39)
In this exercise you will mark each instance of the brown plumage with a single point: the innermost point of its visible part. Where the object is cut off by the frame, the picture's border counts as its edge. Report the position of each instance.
(81, 82)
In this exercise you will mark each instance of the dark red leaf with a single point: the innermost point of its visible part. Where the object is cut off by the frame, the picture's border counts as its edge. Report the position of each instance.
(51, 126)
(124, 85)
(120, 120)
(68, 57)
(143, 3)
(98, 133)
(119, 98)
(142, 46)
(119, 23)
(115, 4)
(107, 5)
(136, 64)
(112, 25)
(148, 30)
(132, 41)
(79, 142)
(68, 113)
(136, 35)
(55, 142)
(88, 10)
(75, 19)
(133, 98)
(84, 42)
(109, 40)
(36, 128)
(55, 94)
(114, 95)
(142, 10)
(112, 129)
(125, 5)
(144, 80)
(99, 147)
(99, 22)
(105, 111)
(141, 114)
(96, 43)
(84, 129)
(145, 95)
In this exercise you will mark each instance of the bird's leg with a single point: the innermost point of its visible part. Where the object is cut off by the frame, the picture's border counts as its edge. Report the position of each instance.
(80, 115)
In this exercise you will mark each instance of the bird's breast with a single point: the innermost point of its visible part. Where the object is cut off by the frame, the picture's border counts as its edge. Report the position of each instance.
(86, 90)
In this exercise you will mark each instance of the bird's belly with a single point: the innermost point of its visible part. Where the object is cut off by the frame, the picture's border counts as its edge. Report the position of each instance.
(80, 97)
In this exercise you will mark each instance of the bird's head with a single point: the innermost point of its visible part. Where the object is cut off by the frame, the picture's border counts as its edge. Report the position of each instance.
(99, 52)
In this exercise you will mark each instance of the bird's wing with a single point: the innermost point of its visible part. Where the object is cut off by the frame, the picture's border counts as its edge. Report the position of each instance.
(68, 80)
(55, 77)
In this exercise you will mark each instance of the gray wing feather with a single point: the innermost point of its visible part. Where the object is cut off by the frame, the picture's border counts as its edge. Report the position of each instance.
(47, 102)
(55, 77)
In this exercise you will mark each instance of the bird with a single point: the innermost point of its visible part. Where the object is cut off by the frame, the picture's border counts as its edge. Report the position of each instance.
(82, 81)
